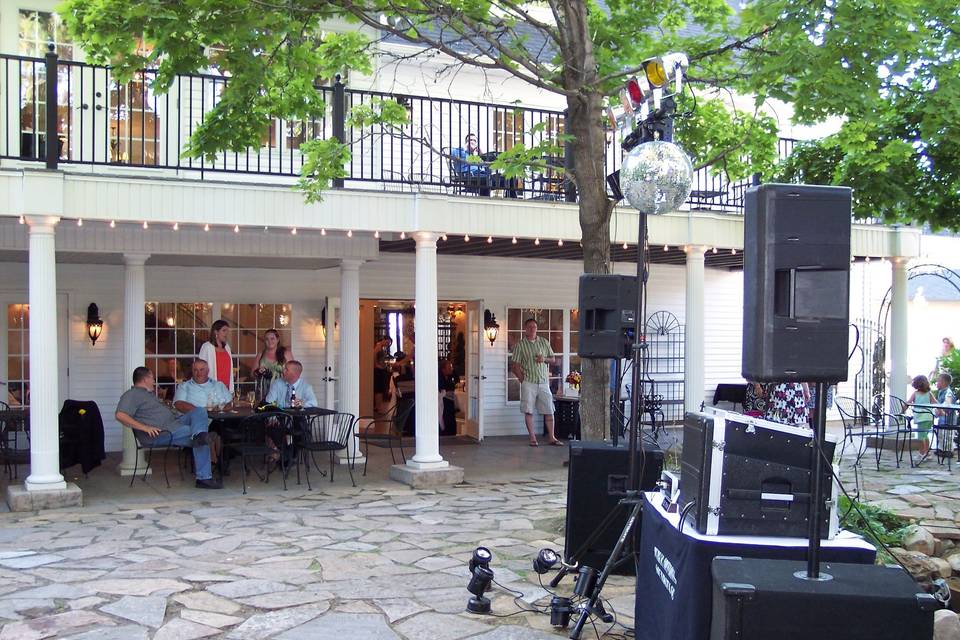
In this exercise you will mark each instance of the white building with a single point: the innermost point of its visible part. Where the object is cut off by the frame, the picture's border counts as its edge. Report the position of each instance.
(165, 245)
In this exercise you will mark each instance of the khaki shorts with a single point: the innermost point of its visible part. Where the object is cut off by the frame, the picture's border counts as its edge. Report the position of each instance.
(536, 395)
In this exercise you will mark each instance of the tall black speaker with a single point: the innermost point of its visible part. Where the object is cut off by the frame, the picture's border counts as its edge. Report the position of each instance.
(596, 481)
(796, 283)
(608, 308)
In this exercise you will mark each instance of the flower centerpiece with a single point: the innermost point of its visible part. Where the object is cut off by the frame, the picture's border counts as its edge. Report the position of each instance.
(573, 379)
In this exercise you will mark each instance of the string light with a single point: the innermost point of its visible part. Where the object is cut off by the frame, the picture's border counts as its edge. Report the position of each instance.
(403, 235)
(293, 231)
(625, 246)
(349, 233)
(714, 250)
(176, 226)
(867, 259)
(112, 224)
(489, 239)
(560, 242)
(537, 242)
(266, 228)
(733, 252)
(21, 220)
(145, 225)
(236, 228)
(444, 237)
(79, 222)
(514, 241)
(206, 227)
(466, 238)
(376, 234)
(666, 247)
(323, 232)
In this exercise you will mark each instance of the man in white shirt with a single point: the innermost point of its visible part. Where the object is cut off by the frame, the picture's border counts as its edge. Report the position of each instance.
(200, 390)
(292, 385)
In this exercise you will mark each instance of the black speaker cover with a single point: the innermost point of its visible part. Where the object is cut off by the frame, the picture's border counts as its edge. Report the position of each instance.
(757, 599)
(597, 476)
(608, 307)
(796, 278)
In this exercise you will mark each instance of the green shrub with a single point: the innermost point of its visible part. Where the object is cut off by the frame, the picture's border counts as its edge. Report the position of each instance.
(876, 522)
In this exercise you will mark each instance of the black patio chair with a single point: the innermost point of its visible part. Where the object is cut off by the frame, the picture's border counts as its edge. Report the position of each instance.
(392, 436)
(14, 440)
(330, 433)
(249, 440)
(863, 424)
(145, 444)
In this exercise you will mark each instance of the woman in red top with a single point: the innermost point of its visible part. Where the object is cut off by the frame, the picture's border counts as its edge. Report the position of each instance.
(217, 354)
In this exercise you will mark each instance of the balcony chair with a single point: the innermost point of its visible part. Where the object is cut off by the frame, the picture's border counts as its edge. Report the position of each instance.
(14, 441)
(330, 433)
(143, 443)
(394, 421)
(862, 424)
(249, 440)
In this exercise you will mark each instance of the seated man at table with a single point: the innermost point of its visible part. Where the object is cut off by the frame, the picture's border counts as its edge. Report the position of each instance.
(477, 176)
(142, 412)
(291, 390)
(201, 391)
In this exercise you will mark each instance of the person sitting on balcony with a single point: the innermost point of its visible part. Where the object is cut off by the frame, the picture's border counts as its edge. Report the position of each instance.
(140, 410)
(476, 176)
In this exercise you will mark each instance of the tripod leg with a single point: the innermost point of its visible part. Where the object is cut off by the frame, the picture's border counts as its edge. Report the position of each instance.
(591, 605)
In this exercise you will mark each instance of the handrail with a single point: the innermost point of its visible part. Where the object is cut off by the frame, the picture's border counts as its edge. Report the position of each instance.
(82, 115)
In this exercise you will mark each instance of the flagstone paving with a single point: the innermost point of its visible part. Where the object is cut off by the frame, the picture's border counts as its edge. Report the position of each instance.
(372, 562)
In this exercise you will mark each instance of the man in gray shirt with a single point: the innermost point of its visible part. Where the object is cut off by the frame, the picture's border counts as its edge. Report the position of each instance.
(153, 423)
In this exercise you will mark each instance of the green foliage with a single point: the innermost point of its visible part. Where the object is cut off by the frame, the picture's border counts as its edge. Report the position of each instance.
(323, 161)
(951, 363)
(876, 523)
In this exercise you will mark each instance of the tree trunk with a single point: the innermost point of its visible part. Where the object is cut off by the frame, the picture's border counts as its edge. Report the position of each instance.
(584, 124)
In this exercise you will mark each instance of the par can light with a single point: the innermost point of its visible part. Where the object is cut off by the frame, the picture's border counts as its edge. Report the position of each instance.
(546, 560)
(481, 558)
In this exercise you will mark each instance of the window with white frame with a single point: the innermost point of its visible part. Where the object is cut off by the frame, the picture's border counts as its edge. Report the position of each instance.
(558, 327)
(18, 354)
(175, 331)
(38, 30)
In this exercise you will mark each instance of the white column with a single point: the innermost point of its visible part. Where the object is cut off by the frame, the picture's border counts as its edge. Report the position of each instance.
(899, 337)
(693, 349)
(427, 455)
(44, 371)
(349, 348)
(134, 298)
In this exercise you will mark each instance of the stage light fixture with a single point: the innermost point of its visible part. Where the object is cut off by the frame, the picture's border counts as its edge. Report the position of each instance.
(481, 558)
(480, 578)
(546, 560)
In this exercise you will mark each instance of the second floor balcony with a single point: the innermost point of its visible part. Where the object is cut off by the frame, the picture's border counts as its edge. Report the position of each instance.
(94, 121)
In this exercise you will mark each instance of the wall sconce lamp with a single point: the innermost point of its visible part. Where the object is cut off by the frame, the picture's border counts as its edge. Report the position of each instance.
(94, 323)
(490, 326)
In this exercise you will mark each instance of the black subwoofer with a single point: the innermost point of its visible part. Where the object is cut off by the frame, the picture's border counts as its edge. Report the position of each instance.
(796, 278)
(757, 599)
(597, 478)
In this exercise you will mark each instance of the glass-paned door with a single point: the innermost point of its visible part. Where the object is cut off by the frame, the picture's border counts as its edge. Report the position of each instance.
(473, 423)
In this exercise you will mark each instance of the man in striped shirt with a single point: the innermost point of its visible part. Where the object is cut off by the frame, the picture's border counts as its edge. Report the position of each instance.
(530, 358)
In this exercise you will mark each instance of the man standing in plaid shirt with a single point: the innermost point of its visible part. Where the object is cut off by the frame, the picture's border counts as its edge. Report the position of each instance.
(530, 358)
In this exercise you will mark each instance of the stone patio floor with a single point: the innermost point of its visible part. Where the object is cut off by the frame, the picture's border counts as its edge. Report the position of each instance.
(377, 561)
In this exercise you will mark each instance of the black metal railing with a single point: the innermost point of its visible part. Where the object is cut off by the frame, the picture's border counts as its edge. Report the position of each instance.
(65, 112)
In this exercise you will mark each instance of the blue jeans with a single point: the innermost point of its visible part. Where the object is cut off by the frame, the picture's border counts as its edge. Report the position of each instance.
(189, 425)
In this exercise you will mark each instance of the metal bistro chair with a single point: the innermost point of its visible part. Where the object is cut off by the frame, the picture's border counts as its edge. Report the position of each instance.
(249, 440)
(331, 433)
(394, 420)
(145, 444)
(859, 423)
(14, 440)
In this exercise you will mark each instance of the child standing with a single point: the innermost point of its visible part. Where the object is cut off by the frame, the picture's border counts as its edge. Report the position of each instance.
(922, 418)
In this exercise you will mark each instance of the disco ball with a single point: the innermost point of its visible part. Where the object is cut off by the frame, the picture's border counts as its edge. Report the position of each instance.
(655, 177)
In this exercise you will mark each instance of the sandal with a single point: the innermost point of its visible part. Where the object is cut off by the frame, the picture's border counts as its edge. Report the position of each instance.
(556, 443)
(534, 443)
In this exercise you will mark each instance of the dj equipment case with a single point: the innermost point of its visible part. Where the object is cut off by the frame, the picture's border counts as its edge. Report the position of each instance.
(748, 476)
